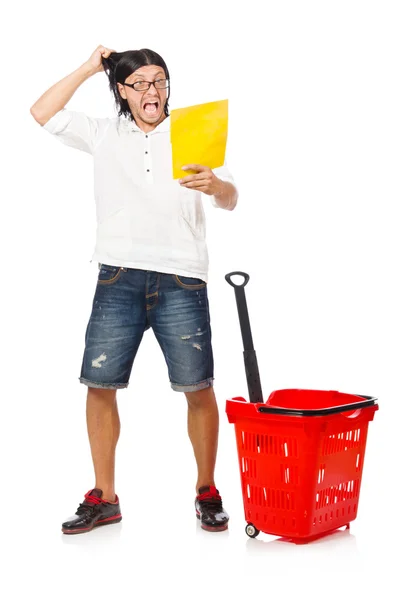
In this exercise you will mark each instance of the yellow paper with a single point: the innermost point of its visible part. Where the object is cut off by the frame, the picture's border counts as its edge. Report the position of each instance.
(199, 135)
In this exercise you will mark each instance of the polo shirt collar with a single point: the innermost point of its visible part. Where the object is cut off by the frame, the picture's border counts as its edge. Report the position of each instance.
(164, 126)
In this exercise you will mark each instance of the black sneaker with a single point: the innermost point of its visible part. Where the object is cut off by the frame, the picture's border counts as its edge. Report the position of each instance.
(93, 512)
(209, 509)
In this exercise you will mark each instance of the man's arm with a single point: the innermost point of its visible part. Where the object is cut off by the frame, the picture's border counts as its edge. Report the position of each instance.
(226, 197)
(206, 181)
(55, 98)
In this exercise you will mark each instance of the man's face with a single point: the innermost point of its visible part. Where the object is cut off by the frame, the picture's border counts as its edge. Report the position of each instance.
(147, 107)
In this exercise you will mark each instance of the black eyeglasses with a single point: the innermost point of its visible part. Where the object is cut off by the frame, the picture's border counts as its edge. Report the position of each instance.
(143, 86)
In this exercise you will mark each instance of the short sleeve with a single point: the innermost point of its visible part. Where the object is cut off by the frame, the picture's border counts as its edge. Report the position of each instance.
(224, 174)
(76, 129)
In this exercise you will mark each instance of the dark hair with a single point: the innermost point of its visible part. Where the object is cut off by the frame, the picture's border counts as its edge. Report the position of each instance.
(119, 65)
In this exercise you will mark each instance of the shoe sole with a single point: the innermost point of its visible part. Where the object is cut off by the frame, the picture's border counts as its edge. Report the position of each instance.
(215, 529)
(108, 521)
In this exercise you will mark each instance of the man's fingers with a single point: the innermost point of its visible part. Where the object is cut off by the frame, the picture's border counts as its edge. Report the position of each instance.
(189, 178)
(195, 184)
(194, 167)
(197, 187)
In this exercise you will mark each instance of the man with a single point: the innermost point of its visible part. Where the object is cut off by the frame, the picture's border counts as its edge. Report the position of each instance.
(153, 267)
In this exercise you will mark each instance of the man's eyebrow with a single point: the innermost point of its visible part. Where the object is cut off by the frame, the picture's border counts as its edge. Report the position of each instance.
(137, 74)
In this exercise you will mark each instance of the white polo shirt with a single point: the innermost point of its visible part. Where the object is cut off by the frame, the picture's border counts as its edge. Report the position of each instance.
(145, 218)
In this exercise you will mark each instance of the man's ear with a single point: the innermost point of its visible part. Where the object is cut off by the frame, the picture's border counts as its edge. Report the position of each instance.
(121, 91)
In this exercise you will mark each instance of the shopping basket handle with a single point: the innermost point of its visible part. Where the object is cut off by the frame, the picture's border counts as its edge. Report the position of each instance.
(354, 407)
(250, 361)
(369, 401)
(229, 276)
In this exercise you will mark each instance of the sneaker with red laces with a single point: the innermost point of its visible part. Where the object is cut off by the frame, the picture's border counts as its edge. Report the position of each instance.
(209, 509)
(93, 512)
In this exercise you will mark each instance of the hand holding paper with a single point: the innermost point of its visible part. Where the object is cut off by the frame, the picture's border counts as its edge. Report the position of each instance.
(198, 136)
(204, 181)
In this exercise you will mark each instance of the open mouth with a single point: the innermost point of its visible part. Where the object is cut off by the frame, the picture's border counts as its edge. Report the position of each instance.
(151, 108)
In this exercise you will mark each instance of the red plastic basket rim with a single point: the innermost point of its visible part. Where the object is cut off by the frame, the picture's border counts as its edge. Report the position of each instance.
(240, 408)
(365, 403)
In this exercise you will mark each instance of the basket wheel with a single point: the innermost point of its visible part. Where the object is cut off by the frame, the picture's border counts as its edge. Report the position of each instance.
(251, 530)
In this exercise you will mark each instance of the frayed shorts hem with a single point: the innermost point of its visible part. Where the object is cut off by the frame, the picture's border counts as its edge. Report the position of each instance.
(105, 386)
(201, 385)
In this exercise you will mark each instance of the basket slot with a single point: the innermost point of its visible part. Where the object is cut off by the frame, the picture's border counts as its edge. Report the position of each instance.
(322, 519)
(337, 493)
(289, 474)
(248, 467)
(321, 473)
(358, 462)
(273, 445)
(341, 441)
(274, 499)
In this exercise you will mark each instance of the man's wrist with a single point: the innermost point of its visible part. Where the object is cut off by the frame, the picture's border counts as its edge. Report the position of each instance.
(86, 71)
(225, 198)
(219, 189)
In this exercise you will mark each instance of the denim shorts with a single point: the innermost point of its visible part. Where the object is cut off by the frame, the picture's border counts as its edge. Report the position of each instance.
(126, 303)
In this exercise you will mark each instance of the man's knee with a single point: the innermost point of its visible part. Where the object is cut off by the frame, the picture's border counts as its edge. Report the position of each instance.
(101, 394)
(201, 398)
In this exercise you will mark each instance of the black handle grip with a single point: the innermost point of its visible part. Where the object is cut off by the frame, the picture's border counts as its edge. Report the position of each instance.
(253, 378)
(251, 365)
(229, 276)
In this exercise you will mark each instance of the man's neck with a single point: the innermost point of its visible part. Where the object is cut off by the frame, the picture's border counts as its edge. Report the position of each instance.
(148, 127)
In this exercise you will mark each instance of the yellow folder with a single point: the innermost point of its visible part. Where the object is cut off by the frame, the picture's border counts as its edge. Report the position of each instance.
(199, 135)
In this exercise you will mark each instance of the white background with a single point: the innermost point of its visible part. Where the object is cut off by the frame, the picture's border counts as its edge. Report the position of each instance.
(312, 146)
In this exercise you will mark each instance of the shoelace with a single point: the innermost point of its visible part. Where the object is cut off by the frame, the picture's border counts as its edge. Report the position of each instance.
(89, 504)
(212, 502)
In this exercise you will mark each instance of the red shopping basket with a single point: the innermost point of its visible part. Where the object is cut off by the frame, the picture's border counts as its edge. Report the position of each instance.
(301, 453)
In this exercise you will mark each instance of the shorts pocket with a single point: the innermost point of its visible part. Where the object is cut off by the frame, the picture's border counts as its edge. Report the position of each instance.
(108, 274)
(189, 283)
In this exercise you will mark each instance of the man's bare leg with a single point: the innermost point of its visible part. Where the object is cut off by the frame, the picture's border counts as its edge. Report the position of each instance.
(203, 429)
(103, 425)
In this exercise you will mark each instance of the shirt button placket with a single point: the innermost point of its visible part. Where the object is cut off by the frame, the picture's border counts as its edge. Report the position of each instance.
(148, 160)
